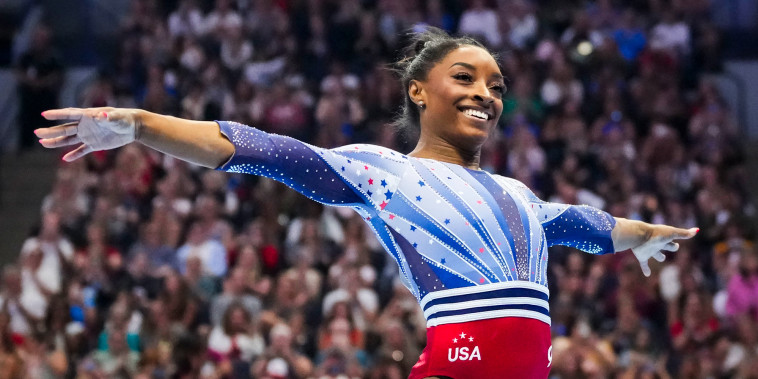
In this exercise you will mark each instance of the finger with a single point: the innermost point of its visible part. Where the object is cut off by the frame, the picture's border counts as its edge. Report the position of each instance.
(671, 246)
(659, 256)
(113, 115)
(102, 115)
(60, 141)
(684, 233)
(67, 129)
(77, 153)
(645, 268)
(64, 114)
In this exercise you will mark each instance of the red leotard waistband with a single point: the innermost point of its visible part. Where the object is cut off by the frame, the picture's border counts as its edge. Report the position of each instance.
(508, 347)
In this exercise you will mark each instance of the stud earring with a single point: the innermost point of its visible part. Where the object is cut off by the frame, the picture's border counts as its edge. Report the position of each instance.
(421, 105)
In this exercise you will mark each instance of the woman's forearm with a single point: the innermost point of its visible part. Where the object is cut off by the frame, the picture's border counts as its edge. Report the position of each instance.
(198, 142)
(629, 233)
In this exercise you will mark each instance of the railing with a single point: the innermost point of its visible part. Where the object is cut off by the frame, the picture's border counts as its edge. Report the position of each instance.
(740, 106)
(8, 109)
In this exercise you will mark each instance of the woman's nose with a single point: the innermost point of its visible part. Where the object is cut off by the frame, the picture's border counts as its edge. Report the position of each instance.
(483, 94)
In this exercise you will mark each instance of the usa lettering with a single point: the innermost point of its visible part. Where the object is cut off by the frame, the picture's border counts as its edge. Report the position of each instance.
(463, 354)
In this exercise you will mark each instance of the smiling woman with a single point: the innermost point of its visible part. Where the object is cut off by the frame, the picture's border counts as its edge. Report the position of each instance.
(470, 245)
(439, 72)
(462, 95)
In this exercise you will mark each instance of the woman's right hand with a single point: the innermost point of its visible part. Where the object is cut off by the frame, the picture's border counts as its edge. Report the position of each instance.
(95, 128)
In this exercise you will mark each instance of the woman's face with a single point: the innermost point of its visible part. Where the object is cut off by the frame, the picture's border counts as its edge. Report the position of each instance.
(172, 283)
(239, 319)
(463, 97)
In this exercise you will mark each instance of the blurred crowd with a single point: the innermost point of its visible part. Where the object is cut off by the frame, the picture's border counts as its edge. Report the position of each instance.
(145, 266)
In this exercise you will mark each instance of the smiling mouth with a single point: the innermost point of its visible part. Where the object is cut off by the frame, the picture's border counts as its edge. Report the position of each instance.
(476, 114)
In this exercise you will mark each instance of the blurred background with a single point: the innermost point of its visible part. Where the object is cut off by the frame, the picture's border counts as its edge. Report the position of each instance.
(131, 264)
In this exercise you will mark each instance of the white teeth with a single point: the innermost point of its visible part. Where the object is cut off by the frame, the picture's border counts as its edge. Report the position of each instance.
(476, 113)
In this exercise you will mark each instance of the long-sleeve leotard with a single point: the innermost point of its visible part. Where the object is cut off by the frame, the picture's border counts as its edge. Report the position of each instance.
(469, 245)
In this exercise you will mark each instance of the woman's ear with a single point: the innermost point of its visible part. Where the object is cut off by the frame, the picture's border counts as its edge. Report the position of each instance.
(416, 92)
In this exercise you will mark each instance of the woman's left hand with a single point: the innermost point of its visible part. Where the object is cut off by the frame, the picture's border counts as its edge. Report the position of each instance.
(93, 129)
(660, 237)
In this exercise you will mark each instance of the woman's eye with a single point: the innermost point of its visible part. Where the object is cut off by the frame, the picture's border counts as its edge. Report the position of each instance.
(462, 76)
(499, 88)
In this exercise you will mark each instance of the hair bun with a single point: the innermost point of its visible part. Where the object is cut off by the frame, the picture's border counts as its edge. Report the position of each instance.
(419, 45)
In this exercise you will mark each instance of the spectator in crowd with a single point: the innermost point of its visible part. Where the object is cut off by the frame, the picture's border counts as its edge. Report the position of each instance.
(519, 22)
(237, 338)
(481, 21)
(39, 74)
(234, 291)
(186, 20)
(117, 361)
(629, 36)
(182, 308)
(439, 17)
(280, 358)
(561, 85)
(201, 244)
(742, 290)
(56, 251)
(151, 245)
(671, 35)
(20, 310)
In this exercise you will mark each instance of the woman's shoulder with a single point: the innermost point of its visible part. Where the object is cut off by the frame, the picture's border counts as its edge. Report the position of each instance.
(506, 180)
(364, 148)
(372, 155)
(515, 185)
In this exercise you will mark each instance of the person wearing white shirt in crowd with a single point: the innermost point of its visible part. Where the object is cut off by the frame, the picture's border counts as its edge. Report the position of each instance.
(186, 21)
(237, 337)
(671, 34)
(210, 251)
(478, 20)
(236, 50)
(56, 250)
(24, 295)
(221, 18)
(520, 22)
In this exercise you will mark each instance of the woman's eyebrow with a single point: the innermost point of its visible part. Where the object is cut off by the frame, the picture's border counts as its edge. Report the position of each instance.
(469, 66)
(464, 64)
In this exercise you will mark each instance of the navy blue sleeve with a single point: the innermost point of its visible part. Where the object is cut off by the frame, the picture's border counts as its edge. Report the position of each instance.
(337, 177)
(582, 227)
(578, 226)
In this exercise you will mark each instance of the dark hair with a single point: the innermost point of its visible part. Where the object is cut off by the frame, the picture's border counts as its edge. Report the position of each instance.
(226, 322)
(424, 50)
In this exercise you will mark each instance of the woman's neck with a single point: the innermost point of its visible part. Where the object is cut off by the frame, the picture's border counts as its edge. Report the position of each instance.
(439, 149)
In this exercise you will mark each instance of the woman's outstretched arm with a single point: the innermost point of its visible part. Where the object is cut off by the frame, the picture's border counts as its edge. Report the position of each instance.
(94, 129)
(356, 175)
(597, 232)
